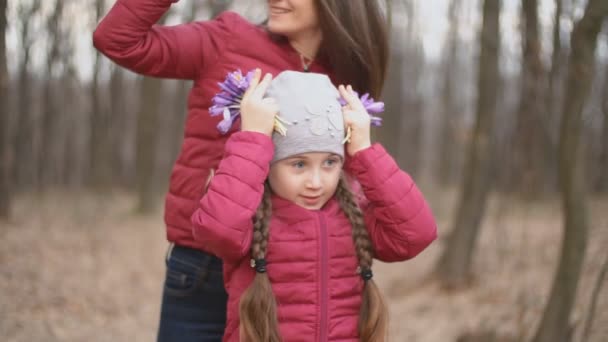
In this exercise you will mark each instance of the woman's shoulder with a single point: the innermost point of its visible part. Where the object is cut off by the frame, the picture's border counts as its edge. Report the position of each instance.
(237, 23)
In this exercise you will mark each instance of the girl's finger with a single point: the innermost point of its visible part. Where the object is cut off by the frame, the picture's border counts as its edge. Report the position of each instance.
(343, 91)
(254, 81)
(345, 94)
(352, 100)
(260, 90)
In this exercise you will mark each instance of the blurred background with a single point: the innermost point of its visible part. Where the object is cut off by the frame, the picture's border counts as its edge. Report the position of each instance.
(498, 109)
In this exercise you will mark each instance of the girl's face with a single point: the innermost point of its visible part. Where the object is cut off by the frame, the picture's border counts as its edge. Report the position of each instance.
(292, 17)
(308, 179)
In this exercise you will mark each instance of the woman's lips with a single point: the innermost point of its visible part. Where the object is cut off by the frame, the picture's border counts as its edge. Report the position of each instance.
(278, 10)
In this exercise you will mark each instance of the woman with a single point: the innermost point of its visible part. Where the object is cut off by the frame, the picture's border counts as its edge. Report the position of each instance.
(346, 40)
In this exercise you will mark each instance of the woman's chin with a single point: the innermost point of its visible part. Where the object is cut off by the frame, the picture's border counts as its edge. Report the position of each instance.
(279, 27)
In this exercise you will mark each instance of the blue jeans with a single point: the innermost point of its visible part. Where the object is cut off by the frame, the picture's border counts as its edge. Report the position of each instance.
(194, 299)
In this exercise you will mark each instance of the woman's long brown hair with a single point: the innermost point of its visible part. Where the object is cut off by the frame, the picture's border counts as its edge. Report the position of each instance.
(258, 307)
(355, 42)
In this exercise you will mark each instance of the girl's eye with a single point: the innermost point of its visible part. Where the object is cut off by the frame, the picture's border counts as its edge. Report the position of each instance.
(298, 164)
(331, 162)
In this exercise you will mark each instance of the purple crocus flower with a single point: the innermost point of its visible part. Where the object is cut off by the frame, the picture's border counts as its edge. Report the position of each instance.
(228, 101)
(371, 106)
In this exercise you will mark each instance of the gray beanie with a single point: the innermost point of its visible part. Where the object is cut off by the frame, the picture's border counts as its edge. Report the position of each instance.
(309, 107)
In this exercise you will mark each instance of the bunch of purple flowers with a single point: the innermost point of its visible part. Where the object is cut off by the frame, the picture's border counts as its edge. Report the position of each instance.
(371, 106)
(228, 101)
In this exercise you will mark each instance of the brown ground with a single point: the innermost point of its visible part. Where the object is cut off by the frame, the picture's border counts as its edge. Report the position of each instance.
(77, 267)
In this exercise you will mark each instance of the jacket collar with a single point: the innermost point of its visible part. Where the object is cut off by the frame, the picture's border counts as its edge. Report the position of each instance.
(286, 209)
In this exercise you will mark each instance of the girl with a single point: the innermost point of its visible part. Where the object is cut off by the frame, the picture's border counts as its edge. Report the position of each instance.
(344, 39)
(297, 244)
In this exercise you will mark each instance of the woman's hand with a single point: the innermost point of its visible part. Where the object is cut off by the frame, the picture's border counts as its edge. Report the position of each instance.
(257, 112)
(356, 121)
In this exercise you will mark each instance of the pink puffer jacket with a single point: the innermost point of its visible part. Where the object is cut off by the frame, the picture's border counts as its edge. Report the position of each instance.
(311, 258)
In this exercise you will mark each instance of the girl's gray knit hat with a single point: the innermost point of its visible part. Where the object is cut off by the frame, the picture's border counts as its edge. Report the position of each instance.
(310, 109)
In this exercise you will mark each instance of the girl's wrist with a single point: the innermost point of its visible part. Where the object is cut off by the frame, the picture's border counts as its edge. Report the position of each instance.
(255, 130)
(352, 150)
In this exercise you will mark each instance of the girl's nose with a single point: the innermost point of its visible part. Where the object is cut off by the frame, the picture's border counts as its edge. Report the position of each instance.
(314, 181)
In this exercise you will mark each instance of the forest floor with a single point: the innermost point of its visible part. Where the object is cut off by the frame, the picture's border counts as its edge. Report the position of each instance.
(83, 267)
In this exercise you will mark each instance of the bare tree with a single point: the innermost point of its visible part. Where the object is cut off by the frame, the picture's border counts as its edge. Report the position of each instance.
(446, 169)
(24, 170)
(555, 325)
(557, 59)
(410, 127)
(602, 182)
(393, 99)
(402, 125)
(100, 144)
(119, 125)
(455, 263)
(147, 131)
(48, 168)
(553, 97)
(594, 300)
(528, 153)
(5, 191)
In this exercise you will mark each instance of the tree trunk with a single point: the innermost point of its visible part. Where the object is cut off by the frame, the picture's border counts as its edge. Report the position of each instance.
(555, 325)
(48, 170)
(557, 57)
(408, 116)
(120, 120)
(23, 147)
(72, 159)
(595, 298)
(396, 97)
(527, 161)
(454, 267)
(393, 98)
(100, 143)
(554, 103)
(5, 191)
(602, 181)
(147, 131)
(447, 135)
(400, 131)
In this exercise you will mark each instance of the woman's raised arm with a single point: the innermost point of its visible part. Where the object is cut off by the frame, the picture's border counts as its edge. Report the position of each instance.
(128, 36)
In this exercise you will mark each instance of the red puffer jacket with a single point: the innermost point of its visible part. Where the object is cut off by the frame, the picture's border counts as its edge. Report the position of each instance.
(201, 51)
(311, 257)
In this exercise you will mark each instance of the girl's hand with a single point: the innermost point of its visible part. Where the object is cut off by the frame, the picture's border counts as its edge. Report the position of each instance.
(357, 120)
(257, 112)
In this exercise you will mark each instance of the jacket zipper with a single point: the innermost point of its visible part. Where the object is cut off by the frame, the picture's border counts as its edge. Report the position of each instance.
(324, 280)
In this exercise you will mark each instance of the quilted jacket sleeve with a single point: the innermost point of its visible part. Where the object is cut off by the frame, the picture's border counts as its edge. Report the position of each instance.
(399, 220)
(223, 221)
(127, 35)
